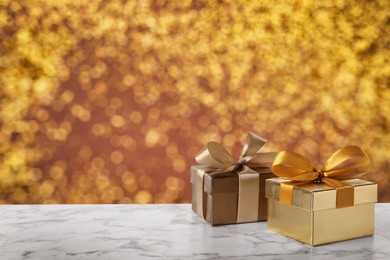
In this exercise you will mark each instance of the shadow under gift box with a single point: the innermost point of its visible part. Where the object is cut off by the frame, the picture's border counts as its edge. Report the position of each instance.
(313, 217)
(220, 196)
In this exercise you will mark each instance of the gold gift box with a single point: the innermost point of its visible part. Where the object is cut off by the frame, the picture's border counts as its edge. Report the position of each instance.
(313, 217)
(220, 196)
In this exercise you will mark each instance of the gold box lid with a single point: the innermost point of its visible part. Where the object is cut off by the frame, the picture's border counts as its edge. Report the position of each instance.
(319, 196)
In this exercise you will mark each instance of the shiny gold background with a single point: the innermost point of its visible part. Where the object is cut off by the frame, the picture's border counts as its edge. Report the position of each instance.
(109, 101)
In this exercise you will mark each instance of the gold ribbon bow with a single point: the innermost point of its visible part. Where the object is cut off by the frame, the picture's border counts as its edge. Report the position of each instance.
(346, 163)
(220, 163)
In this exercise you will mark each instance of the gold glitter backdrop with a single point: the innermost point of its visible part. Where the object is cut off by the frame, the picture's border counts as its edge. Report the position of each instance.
(109, 101)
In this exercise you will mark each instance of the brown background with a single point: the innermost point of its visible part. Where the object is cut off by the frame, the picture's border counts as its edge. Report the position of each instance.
(109, 101)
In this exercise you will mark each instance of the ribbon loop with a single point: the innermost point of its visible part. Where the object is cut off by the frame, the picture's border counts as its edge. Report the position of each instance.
(351, 156)
(253, 145)
(346, 163)
(214, 155)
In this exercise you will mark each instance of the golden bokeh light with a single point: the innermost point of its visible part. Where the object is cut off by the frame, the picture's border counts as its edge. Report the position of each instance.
(109, 101)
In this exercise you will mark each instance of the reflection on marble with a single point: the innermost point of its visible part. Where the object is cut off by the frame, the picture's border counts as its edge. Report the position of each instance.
(161, 232)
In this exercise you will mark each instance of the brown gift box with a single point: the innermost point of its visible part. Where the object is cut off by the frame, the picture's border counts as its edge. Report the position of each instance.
(313, 217)
(228, 191)
(220, 196)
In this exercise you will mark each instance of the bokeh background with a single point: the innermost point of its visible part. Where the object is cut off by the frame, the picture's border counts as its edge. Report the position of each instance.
(109, 101)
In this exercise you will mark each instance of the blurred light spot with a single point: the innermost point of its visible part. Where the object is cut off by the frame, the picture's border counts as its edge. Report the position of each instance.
(136, 117)
(143, 197)
(117, 121)
(179, 165)
(98, 163)
(116, 157)
(46, 189)
(152, 138)
(129, 182)
(42, 115)
(128, 80)
(85, 153)
(145, 182)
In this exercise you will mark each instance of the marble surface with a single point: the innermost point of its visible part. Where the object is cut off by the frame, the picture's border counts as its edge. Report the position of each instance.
(161, 232)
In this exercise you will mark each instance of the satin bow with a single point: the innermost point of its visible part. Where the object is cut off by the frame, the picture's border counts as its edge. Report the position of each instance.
(346, 163)
(220, 162)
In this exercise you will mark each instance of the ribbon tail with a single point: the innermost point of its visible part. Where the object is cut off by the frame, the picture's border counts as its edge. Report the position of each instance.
(199, 182)
(262, 160)
(286, 193)
(248, 199)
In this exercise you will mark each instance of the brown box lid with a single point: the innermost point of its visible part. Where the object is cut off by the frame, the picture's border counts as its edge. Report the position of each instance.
(226, 184)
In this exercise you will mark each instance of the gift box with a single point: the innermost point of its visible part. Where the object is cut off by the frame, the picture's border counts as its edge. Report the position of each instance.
(321, 206)
(228, 191)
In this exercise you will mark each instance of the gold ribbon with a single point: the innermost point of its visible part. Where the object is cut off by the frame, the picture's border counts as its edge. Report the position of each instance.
(220, 163)
(346, 163)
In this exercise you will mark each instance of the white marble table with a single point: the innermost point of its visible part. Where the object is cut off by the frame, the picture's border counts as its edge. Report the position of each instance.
(161, 232)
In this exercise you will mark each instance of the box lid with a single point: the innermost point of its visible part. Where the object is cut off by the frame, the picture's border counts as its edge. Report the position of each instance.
(225, 184)
(319, 196)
